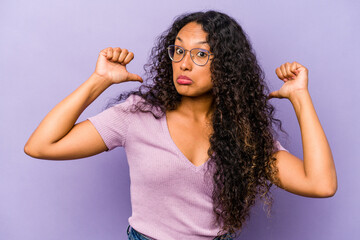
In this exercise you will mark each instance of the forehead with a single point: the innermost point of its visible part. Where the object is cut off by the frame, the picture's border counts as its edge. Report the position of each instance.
(192, 33)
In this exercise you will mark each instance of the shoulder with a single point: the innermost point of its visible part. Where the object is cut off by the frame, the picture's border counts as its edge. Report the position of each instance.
(279, 147)
(132, 100)
(138, 105)
(127, 104)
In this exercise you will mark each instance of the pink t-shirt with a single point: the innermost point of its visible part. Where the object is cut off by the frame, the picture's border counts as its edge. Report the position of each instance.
(170, 196)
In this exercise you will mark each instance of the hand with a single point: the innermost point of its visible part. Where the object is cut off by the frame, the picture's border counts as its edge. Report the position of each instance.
(295, 77)
(111, 65)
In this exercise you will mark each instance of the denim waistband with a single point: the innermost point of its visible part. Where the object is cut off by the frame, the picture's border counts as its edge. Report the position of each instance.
(136, 234)
(140, 236)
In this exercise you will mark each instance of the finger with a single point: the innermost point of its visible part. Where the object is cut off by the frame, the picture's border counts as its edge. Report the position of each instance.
(283, 71)
(103, 52)
(128, 58)
(300, 68)
(289, 73)
(294, 67)
(109, 53)
(123, 55)
(134, 77)
(279, 73)
(116, 54)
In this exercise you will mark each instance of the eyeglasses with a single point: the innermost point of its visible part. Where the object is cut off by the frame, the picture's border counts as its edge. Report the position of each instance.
(198, 55)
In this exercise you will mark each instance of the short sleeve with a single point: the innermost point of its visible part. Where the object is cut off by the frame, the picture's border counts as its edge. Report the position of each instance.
(279, 147)
(112, 124)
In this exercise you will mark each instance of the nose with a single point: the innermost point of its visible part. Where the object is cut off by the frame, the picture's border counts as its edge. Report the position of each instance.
(186, 62)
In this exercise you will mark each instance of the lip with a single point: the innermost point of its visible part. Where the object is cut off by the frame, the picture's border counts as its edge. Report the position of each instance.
(183, 80)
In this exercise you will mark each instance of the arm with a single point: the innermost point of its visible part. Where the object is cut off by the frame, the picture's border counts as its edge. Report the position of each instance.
(315, 176)
(57, 137)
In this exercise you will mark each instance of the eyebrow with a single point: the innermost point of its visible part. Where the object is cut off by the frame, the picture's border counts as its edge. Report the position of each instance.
(202, 42)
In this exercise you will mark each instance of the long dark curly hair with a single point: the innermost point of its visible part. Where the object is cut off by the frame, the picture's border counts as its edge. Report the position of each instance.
(243, 119)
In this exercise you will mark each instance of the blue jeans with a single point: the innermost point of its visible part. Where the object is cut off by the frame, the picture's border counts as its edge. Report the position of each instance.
(135, 235)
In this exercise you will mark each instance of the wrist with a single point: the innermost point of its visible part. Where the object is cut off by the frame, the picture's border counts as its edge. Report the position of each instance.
(100, 78)
(299, 97)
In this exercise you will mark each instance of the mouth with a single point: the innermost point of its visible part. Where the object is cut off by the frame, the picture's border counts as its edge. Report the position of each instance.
(184, 80)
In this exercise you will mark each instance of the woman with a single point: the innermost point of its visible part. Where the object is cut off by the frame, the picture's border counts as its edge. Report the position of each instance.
(199, 137)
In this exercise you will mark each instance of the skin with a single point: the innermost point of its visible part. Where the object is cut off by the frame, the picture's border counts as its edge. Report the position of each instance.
(315, 176)
(196, 97)
(58, 137)
(189, 125)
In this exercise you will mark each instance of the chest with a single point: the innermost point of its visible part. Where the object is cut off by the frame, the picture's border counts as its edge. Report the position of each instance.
(191, 138)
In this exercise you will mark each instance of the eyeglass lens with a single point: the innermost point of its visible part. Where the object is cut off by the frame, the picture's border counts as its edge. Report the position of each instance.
(199, 56)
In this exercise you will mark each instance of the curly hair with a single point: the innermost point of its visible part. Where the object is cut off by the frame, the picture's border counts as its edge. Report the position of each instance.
(243, 119)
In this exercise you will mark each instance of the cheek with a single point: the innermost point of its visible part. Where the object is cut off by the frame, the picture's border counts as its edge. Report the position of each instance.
(206, 75)
(174, 67)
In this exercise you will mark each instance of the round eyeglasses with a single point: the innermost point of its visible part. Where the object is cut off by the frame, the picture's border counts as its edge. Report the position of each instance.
(198, 55)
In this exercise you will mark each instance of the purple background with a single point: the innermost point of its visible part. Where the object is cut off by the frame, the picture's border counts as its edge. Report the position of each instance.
(48, 48)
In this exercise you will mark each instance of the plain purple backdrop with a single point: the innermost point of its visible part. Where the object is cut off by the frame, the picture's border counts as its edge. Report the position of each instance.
(48, 48)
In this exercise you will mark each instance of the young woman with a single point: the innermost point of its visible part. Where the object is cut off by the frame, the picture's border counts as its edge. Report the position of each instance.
(198, 136)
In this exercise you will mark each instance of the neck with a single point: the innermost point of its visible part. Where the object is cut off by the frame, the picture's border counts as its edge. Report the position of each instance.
(197, 108)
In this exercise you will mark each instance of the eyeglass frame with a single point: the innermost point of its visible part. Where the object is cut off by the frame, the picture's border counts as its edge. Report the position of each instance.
(191, 56)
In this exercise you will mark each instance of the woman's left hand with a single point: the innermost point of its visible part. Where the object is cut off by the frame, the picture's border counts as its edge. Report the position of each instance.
(295, 77)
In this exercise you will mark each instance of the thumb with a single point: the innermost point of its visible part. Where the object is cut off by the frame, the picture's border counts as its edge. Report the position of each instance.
(134, 77)
(274, 94)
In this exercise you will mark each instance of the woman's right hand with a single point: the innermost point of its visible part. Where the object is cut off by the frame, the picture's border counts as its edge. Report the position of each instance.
(111, 65)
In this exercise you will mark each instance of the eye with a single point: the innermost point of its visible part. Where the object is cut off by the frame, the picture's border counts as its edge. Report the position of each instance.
(202, 54)
(179, 51)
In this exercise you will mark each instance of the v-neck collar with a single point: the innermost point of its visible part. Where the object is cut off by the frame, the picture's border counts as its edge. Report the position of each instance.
(178, 151)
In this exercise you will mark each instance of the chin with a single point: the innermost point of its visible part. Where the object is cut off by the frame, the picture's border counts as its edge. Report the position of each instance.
(193, 94)
(191, 91)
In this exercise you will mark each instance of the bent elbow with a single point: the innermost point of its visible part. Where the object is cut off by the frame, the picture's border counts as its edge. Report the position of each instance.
(30, 151)
(327, 192)
(332, 190)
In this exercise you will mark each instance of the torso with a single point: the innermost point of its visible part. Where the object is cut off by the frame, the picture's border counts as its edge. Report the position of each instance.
(192, 138)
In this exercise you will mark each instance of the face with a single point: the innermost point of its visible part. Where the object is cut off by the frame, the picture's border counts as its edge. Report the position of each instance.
(192, 36)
